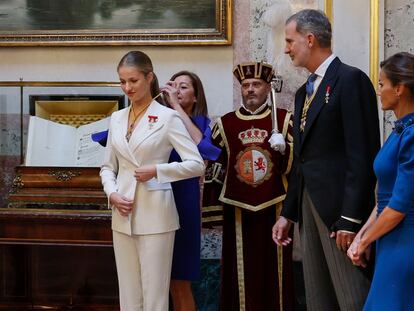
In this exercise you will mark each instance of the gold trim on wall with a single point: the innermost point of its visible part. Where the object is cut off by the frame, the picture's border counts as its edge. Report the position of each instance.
(229, 25)
(58, 83)
(373, 38)
(374, 42)
(328, 8)
(219, 34)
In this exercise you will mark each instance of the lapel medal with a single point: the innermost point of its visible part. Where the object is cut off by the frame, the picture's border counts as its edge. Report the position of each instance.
(151, 121)
(328, 89)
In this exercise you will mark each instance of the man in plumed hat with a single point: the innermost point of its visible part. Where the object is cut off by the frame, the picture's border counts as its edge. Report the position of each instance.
(244, 190)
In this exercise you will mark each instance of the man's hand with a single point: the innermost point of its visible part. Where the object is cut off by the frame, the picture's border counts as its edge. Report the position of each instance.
(280, 231)
(277, 142)
(122, 204)
(343, 239)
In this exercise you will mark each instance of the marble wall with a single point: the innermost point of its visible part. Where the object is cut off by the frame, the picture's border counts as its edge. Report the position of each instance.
(398, 37)
(399, 26)
(10, 155)
(256, 41)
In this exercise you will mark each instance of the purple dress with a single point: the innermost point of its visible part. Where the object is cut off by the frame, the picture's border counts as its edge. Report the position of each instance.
(186, 257)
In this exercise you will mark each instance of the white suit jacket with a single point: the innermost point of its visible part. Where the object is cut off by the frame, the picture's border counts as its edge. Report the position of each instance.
(157, 133)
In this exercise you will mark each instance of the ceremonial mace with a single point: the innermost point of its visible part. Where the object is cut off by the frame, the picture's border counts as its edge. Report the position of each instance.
(276, 87)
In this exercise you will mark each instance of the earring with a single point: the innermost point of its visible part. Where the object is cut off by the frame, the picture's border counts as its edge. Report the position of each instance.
(396, 94)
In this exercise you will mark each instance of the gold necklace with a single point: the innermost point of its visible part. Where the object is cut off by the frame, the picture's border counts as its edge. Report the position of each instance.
(136, 116)
(131, 127)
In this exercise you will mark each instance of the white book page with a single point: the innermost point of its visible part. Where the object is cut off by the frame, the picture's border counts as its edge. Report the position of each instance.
(50, 143)
(88, 152)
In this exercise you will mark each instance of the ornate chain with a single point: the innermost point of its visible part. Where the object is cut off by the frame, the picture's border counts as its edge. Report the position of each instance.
(135, 118)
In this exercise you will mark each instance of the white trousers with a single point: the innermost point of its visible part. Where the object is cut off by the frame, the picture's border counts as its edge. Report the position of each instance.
(143, 264)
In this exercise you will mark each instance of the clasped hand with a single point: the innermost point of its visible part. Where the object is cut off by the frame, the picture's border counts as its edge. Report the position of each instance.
(145, 173)
(125, 205)
(359, 253)
(343, 239)
(121, 203)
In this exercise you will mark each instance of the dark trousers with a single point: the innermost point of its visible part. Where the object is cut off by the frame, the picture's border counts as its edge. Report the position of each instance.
(331, 281)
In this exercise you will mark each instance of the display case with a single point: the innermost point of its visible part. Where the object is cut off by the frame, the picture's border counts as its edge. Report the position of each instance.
(44, 180)
(55, 229)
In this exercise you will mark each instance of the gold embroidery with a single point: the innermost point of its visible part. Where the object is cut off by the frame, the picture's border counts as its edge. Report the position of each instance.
(212, 208)
(261, 115)
(280, 262)
(211, 219)
(254, 165)
(240, 261)
(249, 207)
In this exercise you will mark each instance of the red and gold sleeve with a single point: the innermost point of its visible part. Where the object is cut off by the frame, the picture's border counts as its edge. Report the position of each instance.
(212, 208)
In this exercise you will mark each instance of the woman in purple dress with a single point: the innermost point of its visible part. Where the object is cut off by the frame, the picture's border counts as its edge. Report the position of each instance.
(391, 223)
(185, 94)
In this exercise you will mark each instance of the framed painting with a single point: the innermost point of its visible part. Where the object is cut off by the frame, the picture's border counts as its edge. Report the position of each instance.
(115, 22)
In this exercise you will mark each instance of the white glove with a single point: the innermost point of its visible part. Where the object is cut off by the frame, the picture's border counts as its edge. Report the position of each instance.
(277, 142)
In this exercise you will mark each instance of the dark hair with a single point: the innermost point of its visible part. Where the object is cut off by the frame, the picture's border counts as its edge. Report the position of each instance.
(399, 69)
(200, 107)
(315, 22)
(142, 63)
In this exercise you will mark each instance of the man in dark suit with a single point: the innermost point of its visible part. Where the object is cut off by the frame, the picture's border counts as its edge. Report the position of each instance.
(331, 187)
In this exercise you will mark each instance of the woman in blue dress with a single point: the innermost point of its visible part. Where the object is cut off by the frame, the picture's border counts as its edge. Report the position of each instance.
(391, 223)
(185, 94)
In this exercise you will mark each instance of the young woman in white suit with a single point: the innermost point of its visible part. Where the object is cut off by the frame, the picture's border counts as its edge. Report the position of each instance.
(136, 177)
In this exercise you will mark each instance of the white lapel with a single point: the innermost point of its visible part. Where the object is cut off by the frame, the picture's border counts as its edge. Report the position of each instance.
(150, 123)
(119, 131)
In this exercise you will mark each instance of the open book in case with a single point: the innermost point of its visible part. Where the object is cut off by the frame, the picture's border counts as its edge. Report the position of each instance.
(62, 163)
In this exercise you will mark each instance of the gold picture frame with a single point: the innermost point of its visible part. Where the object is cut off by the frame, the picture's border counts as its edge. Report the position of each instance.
(115, 22)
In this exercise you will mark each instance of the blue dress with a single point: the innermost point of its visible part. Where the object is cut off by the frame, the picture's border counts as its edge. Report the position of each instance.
(186, 257)
(393, 282)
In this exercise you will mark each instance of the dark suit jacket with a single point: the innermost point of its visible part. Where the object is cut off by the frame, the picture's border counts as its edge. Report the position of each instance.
(333, 157)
